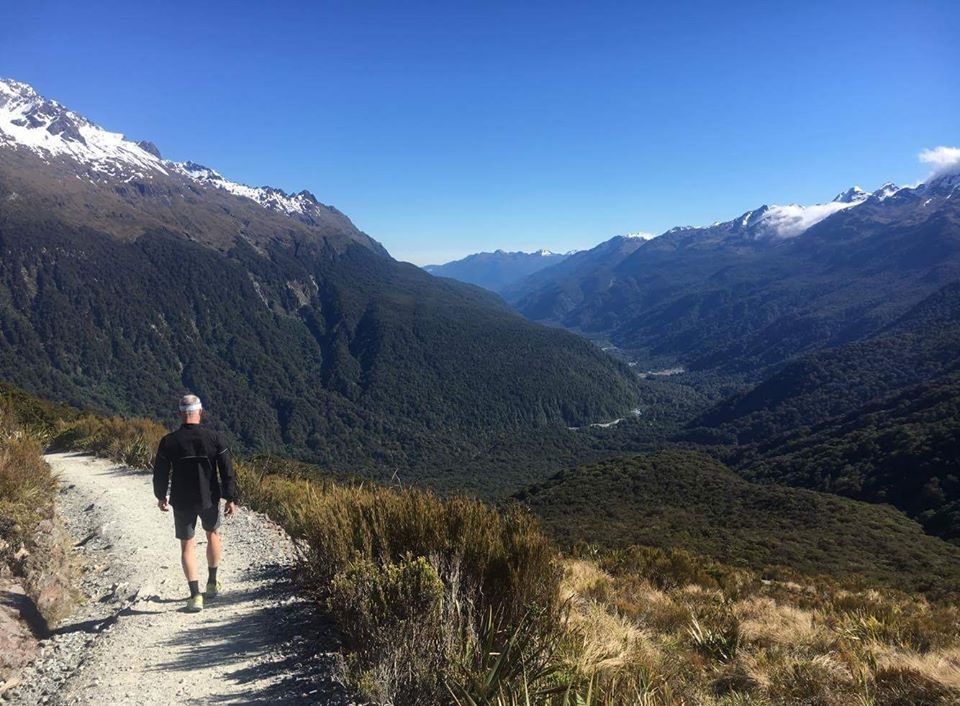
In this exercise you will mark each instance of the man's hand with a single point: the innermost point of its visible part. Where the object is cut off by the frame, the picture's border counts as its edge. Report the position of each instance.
(229, 508)
(163, 505)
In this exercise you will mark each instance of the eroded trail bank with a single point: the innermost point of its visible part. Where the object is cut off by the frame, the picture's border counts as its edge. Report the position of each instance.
(130, 642)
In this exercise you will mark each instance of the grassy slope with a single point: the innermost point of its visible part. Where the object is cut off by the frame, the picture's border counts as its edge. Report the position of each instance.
(687, 500)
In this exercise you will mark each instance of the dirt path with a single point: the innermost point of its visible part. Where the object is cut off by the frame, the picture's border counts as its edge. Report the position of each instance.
(132, 643)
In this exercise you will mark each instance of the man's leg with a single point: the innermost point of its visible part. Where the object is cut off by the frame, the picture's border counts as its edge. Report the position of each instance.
(188, 560)
(213, 552)
(211, 523)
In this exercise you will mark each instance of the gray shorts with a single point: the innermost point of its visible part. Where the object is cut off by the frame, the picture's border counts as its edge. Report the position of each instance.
(185, 521)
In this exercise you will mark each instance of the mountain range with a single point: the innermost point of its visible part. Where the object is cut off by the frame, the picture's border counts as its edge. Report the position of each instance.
(497, 270)
(823, 342)
(127, 279)
(751, 292)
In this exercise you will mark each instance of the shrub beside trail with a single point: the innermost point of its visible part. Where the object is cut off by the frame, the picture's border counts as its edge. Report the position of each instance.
(35, 550)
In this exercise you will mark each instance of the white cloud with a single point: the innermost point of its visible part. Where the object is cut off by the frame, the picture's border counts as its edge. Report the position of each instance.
(944, 160)
(641, 234)
(792, 220)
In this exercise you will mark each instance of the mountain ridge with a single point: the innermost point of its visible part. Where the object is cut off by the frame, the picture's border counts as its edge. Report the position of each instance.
(496, 270)
(125, 282)
(728, 297)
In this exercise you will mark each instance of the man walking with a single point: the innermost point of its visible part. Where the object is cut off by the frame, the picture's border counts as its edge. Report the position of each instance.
(194, 463)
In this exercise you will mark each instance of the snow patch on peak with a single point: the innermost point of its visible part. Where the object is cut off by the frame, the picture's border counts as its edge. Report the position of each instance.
(788, 221)
(300, 205)
(852, 195)
(887, 190)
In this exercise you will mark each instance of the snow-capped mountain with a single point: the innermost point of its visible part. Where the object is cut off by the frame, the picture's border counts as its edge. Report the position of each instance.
(765, 285)
(301, 205)
(792, 220)
(28, 121)
(32, 122)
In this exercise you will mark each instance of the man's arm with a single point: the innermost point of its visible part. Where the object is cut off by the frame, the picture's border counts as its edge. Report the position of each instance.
(161, 477)
(228, 479)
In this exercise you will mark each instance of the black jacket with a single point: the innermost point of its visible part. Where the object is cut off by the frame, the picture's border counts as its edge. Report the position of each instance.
(188, 461)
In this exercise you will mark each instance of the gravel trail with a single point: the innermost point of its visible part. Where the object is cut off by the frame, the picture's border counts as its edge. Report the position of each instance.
(131, 642)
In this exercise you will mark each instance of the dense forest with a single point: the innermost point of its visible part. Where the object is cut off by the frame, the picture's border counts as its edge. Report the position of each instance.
(675, 499)
(344, 357)
(904, 451)
(875, 420)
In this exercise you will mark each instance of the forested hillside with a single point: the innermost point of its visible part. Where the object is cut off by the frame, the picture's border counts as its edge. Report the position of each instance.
(686, 500)
(127, 279)
(380, 364)
(875, 420)
(904, 450)
(920, 345)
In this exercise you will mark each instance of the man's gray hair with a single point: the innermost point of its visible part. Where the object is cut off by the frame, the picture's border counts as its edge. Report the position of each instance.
(190, 403)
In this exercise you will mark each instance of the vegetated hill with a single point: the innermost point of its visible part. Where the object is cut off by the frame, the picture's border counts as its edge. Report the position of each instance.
(496, 270)
(903, 450)
(920, 345)
(126, 279)
(755, 291)
(874, 420)
(690, 501)
(554, 291)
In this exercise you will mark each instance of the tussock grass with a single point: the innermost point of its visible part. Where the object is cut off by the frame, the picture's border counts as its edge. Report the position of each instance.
(672, 630)
(132, 442)
(421, 587)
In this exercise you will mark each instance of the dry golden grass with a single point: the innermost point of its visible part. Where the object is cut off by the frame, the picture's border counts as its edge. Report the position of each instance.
(132, 442)
(777, 645)
(941, 666)
(768, 622)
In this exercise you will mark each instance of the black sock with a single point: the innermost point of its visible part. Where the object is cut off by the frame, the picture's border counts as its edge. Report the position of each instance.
(194, 588)
(212, 578)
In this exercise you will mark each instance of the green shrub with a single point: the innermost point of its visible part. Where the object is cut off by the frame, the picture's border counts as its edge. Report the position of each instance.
(717, 638)
(391, 621)
(366, 545)
(27, 490)
(132, 442)
(33, 544)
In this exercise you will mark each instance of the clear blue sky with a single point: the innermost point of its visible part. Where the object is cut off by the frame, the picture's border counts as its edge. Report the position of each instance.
(445, 128)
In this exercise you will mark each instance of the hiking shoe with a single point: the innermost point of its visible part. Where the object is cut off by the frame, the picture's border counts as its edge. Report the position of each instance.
(213, 589)
(195, 603)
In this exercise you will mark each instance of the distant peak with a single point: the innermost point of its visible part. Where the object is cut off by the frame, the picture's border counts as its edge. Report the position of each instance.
(199, 171)
(886, 190)
(148, 146)
(851, 195)
(543, 253)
